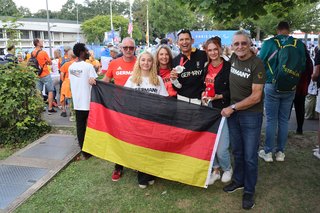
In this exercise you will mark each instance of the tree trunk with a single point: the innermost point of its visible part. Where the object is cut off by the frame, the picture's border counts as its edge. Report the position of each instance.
(258, 34)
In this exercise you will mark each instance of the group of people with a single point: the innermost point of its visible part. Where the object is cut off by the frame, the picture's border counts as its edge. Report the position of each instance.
(242, 88)
(205, 79)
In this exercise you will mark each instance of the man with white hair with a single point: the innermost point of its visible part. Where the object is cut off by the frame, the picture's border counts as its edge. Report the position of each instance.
(247, 78)
(120, 70)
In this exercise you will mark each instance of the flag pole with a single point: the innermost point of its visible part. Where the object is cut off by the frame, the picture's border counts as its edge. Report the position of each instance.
(130, 9)
(147, 33)
(111, 23)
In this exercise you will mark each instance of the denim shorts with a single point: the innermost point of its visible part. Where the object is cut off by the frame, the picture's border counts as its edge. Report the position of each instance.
(45, 81)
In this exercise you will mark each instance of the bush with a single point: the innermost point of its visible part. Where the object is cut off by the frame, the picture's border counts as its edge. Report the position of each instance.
(21, 105)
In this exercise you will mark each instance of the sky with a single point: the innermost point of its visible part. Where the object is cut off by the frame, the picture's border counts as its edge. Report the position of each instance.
(35, 5)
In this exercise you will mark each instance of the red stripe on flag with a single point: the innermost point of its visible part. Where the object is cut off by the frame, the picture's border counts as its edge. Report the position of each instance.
(150, 134)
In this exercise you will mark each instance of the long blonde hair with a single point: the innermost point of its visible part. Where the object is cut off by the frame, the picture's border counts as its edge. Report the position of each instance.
(136, 75)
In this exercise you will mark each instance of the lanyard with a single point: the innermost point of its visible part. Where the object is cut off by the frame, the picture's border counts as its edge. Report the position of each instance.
(181, 61)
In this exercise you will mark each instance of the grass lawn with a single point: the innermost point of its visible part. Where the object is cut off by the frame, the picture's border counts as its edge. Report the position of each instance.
(86, 186)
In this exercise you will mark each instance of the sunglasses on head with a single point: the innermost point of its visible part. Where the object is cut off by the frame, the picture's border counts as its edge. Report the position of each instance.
(131, 48)
(243, 43)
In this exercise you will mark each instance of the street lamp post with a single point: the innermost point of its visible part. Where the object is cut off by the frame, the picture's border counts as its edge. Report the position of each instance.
(49, 33)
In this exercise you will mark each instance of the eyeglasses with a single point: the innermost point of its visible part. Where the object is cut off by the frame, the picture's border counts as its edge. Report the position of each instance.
(243, 43)
(126, 48)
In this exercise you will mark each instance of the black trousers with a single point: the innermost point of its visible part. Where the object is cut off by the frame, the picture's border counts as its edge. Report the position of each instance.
(81, 124)
(143, 178)
(300, 110)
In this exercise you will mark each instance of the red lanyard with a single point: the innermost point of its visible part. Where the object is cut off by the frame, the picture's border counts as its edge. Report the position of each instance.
(181, 61)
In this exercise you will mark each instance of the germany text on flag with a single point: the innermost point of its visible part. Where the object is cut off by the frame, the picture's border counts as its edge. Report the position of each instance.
(153, 134)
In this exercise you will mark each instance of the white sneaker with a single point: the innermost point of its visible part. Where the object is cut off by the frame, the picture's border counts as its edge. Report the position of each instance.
(316, 149)
(227, 175)
(213, 177)
(142, 186)
(265, 157)
(317, 154)
(151, 182)
(280, 156)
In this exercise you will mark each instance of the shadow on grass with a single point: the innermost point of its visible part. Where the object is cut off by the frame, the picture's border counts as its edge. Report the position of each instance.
(86, 186)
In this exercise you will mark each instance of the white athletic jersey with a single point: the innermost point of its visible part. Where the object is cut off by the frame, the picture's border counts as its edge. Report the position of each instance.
(79, 74)
(146, 86)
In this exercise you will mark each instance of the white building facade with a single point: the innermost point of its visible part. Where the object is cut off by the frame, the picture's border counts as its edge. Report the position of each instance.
(63, 33)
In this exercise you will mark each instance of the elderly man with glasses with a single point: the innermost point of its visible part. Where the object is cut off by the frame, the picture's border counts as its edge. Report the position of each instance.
(120, 70)
(247, 78)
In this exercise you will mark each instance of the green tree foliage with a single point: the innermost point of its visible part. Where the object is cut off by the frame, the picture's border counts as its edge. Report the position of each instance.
(226, 10)
(169, 16)
(10, 25)
(43, 14)
(139, 15)
(89, 10)
(95, 28)
(21, 105)
(304, 17)
(25, 12)
(8, 8)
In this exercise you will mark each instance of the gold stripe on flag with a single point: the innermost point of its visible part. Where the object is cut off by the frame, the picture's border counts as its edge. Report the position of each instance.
(171, 166)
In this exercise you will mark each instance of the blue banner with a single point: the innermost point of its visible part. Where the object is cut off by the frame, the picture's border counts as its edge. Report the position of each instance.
(201, 36)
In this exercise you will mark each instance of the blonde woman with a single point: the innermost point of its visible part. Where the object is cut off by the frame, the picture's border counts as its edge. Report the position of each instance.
(145, 78)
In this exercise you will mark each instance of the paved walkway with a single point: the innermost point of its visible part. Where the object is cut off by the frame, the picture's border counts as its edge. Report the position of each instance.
(26, 171)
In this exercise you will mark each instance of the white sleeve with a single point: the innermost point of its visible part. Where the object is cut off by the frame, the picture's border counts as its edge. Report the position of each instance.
(92, 72)
(129, 83)
(176, 83)
(163, 90)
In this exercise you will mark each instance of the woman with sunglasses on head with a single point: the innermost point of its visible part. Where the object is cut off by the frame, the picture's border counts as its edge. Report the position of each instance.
(164, 67)
(144, 78)
(217, 95)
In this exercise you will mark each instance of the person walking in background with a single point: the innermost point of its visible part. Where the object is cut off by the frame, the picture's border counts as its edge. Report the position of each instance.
(95, 63)
(65, 87)
(164, 67)
(247, 78)
(315, 77)
(65, 59)
(55, 75)
(120, 70)
(301, 92)
(45, 77)
(217, 95)
(11, 54)
(145, 78)
(82, 76)
(278, 100)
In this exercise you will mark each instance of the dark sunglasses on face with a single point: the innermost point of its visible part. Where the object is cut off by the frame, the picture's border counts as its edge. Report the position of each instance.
(243, 43)
(126, 48)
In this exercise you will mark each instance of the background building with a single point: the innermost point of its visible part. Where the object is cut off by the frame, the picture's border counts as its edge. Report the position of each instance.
(63, 33)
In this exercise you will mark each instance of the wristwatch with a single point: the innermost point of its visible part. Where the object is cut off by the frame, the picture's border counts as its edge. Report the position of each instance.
(233, 106)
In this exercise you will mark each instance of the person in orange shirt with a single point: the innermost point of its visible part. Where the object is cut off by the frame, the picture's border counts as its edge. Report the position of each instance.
(95, 63)
(45, 77)
(64, 77)
(120, 70)
(64, 59)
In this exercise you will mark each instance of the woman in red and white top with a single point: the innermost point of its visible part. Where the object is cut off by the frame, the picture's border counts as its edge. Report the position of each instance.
(217, 95)
(164, 67)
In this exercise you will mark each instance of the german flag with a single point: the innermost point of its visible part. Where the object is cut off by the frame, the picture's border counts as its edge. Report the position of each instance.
(157, 135)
